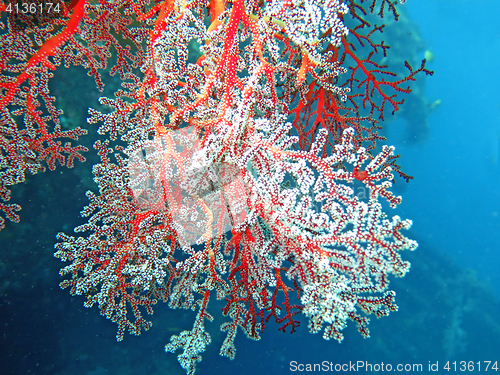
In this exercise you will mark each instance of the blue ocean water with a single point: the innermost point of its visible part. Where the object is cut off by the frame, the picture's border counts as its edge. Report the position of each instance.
(455, 198)
(449, 302)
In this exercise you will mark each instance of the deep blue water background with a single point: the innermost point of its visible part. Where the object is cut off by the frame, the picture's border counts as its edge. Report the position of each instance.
(448, 302)
(455, 197)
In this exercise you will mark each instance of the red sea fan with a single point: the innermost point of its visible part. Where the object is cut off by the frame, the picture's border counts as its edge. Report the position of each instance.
(236, 149)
